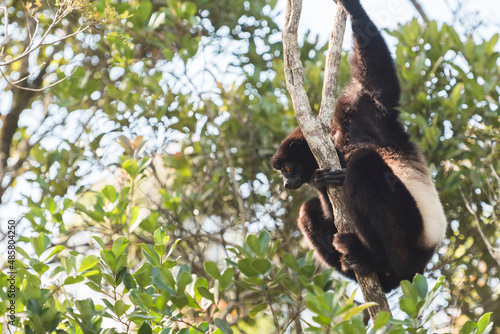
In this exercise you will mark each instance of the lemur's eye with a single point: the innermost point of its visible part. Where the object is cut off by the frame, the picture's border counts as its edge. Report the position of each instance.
(287, 168)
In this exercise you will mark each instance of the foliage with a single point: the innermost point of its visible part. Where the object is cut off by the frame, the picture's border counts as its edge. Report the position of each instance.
(457, 121)
(144, 178)
(162, 295)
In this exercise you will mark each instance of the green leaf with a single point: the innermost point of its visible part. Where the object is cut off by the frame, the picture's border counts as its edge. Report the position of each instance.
(73, 280)
(33, 291)
(262, 265)
(160, 249)
(182, 281)
(157, 280)
(143, 12)
(409, 291)
(120, 308)
(119, 246)
(108, 257)
(86, 308)
(173, 247)
(111, 281)
(128, 281)
(134, 214)
(145, 329)
(226, 278)
(49, 318)
(143, 275)
(92, 273)
(468, 327)
(253, 243)
(475, 177)
(110, 193)
(67, 265)
(56, 250)
(382, 320)
(188, 9)
(40, 243)
(457, 93)
(22, 252)
(50, 205)
(420, 283)
(264, 239)
(408, 306)
(160, 236)
(146, 300)
(255, 281)
(483, 324)
(131, 167)
(291, 262)
(200, 282)
(490, 45)
(223, 326)
(179, 302)
(166, 276)
(257, 309)
(355, 310)
(438, 284)
(150, 254)
(244, 265)
(313, 304)
(89, 262)
(307, 270)
(99, 241)
(212, 269)
(162, 302)
(94, 287)
(204, 292)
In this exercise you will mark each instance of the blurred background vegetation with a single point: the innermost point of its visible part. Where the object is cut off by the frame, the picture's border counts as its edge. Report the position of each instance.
(135, 145)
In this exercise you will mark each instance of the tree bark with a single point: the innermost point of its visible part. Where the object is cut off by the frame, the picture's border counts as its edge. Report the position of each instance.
(316, 130)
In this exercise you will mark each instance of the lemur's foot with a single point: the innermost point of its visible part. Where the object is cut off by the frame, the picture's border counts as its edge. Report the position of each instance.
(352, 254)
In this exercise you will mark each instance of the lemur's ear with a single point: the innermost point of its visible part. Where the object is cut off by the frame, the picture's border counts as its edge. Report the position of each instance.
(296, 143)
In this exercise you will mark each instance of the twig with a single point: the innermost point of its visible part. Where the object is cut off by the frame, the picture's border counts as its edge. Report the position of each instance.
(494, 251)
(420, 10)
(6, 20)
(236, 184)
(63, 11)
(14, 84)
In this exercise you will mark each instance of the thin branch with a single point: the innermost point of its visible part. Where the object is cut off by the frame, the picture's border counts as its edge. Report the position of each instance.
(317, 137)
(329, 94)
(236, 184)
(40, 44)
(31, 36)
(420, 10)
(6, 20)
(24, 78)
(63, 11)
(14, 84)
(494, 251)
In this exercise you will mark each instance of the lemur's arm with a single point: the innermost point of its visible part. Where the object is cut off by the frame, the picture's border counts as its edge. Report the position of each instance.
(371, 61)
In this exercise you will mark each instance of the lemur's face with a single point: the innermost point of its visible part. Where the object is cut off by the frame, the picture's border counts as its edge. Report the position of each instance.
(292, 175)
(294, 161)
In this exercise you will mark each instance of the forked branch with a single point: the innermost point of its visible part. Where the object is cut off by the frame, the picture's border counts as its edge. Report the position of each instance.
(316, 130)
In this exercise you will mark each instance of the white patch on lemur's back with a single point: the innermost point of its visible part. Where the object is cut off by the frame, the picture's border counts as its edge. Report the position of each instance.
(418, 182)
